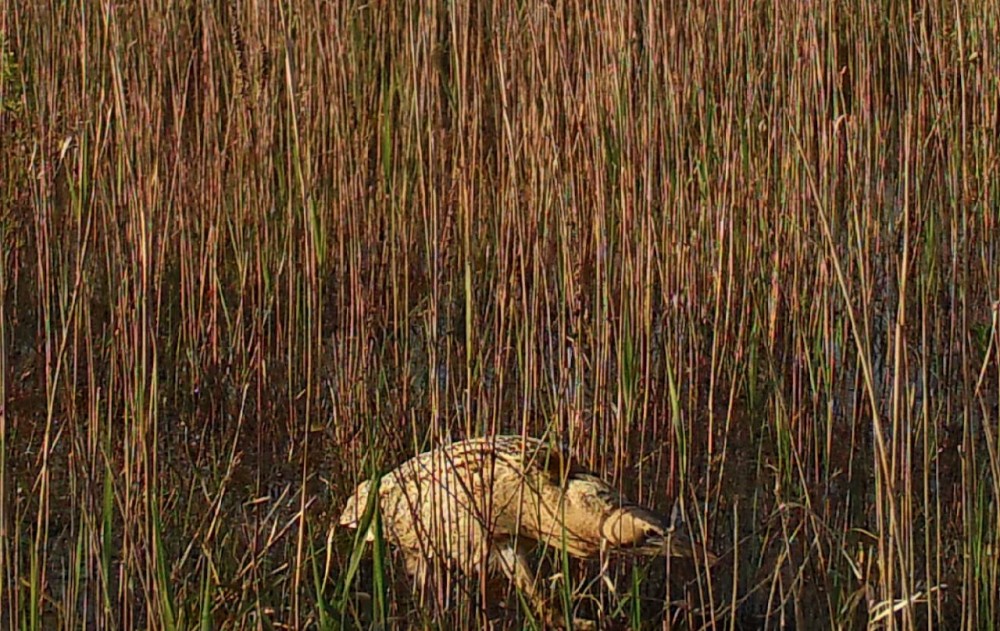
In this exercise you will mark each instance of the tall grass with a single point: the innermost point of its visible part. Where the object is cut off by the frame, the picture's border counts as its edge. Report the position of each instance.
(744, 255)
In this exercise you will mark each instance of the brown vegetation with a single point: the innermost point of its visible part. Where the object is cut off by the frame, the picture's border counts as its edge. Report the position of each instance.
(744, 255)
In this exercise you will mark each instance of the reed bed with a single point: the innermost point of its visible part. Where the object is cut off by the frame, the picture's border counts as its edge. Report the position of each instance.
(744, 255)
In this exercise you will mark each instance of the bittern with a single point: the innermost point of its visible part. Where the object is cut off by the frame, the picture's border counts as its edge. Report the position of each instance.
(486, 502)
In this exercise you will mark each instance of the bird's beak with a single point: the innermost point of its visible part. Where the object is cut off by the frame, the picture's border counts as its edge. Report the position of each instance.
(676, 544)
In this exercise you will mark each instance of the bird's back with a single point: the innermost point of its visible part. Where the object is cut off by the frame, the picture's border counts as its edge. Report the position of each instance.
(450, 501)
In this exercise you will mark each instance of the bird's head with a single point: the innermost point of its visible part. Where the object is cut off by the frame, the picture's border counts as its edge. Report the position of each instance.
(640, 531)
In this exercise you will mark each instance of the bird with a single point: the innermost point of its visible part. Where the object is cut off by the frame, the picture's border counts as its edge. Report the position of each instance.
(487, 502)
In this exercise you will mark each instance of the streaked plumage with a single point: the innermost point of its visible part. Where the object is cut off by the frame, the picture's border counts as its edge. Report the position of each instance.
(489, 500)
